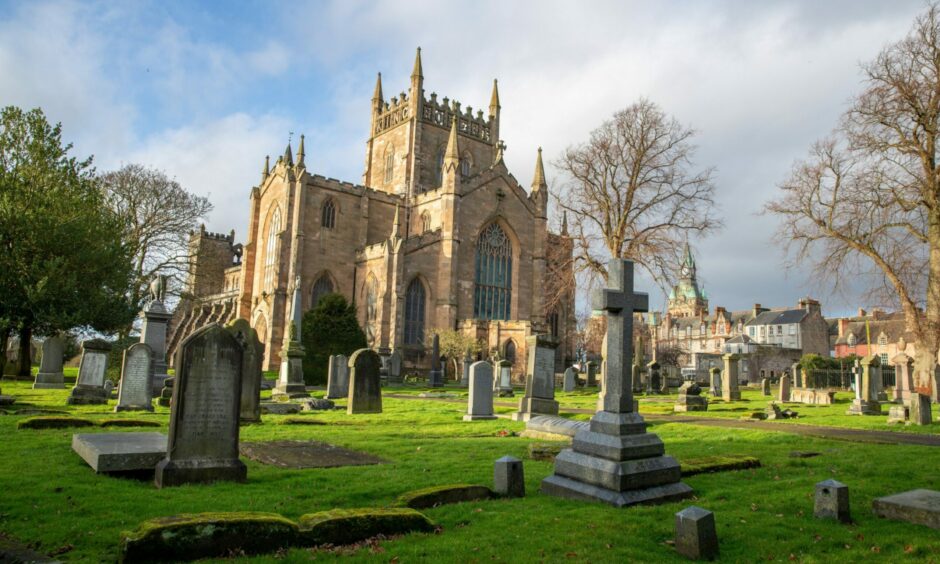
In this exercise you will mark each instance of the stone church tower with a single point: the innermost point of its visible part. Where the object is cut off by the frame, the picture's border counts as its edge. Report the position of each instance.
(686, 299)
(439, 235)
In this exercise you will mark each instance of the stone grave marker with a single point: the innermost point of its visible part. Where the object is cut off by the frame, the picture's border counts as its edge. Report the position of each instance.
(436, 375)
(904, 377)
(135, 393)
(166, 393)
(690, 398)
(394, 367)
(765, 386)
(729, 378)
(865, 402)
(616, 461)
(120, 452)
(480, 398)
(539, 398)
(155, 319)
(591, 375)
(50, 374)
(920, 409)
(696, 536)
(654, 383)
(252, 373)
(715, 374)
(465, 371)
(202, 445)
(290, 380)
(921, 507)
(337, 382)
(509, 477)
(899, 413)
(89, 389)
(365, 391)
(784, 393)
(504, 379)
(832, 501)
(569, 379)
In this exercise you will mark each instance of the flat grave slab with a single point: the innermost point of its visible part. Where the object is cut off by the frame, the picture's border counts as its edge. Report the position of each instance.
(553, 427)
(921, 507)
(305, 454)
(120, 452)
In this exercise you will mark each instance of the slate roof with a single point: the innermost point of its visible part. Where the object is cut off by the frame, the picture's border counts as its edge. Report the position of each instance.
(779, 317)
(739, 339)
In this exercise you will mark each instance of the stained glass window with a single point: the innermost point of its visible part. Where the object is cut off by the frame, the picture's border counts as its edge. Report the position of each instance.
(321, 287)
(414, 313)
(272, 245)
(492, 295)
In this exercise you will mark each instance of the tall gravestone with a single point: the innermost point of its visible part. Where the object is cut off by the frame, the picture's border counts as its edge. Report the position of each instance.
(616, 461)
(436, 375)
(765, 386)
(904, 377)
(591, 374)
(252, 373)
(136, 391)
(865, 402)
(394, 367)
(784, 395)
(89, 388)
(337, 379)
(480, 398)
(797, 375)
(290, 381)
(654, 382)
(365, 387)
(715, 374)
(50, 374)
(503, 370)
(569, 379)
(202, 445)
(729, 378)
(154, 320)
(465, 371)
(384, 354)
(539, 398)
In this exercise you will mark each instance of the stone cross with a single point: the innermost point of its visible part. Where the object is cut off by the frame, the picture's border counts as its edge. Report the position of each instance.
(619, 301)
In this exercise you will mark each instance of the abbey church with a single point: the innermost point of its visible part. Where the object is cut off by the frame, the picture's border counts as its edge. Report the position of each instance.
(438, 235)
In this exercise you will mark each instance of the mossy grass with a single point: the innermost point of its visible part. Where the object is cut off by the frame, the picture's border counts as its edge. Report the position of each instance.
(129, 423)
(704, 464)
(54, 503)
(442, 495)
(347, 526)
(53, 422)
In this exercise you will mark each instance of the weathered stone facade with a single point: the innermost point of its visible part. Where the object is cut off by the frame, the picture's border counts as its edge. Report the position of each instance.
(439, 235)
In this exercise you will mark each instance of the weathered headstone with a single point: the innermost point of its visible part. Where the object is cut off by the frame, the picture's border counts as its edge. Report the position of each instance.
(903, 377)
(797, 375)
(365, 391)
(202, 445)
(765, 386)
(865, 402)
(690, 398)
(290, 381)
(155, 319)
(337, 379)
(696, 535)
(504, 379)
(591, 375)
(715, 388)
(637, 378)
(654, 384)
(394, 367)
(784, 393)
(729, 378)
(480, 398)
(465, 371)
(616, 461)
(89, 389)
(569, 379)
(920, 409)
(135, 393)
(899, 413)
(252, 373)
(436, 375)
(166, 393)
(384, 354)
(509, 477)
(539, 398)
(50, 374)
(832, 501)
(664, 382)
(108, 389)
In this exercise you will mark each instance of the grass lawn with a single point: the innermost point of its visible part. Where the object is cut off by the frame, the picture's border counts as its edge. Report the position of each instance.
(52, 501)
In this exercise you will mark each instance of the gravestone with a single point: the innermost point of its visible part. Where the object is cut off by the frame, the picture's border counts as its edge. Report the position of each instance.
(394, 367)
(654, 384)
(696, 535)
(637, 378)
(690, 398)
(715, 387)
(539, 398)
(384, 354)
(135, 393)
(166, 394)
(337, 380)
(729, 378)
(120, 452)
(920, 409)
(480, 398)
(436, 375)
(108, 389)
(865, 402)
(290, 381)
(899, 414)
(202, 445)
(465, 371)
(904, 377)
(89, 388)
(765, 386)
(832, 501)
(921, 507)
(569, 379)
(50, 374)
(155, 319)
(797, 371)
(784, 393)
(664, 386)
(509, 477)
(616, 461)
(252, 373)
(591, 375)
(365, 391)
(504, 379)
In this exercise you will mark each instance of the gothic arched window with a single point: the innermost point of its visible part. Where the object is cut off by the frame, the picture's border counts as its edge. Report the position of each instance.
(389, 164)
(440, 167)
(425, 222)
(321, 287)
(271, 248)
(493, 292)
(328, 215)
(414, 313)
(465, 163)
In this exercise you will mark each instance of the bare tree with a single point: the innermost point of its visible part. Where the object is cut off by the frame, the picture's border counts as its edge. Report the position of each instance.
(866, 201)
(159, 214)
(632, 192)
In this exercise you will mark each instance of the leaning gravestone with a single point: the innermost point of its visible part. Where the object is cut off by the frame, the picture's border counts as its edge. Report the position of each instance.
(50, 367)
(89, 389)
(252, 357)
(365, 392)
(135, 393)
(337, 380)
(203, 440)
(569, 380)
(480, 399)
(539, 398)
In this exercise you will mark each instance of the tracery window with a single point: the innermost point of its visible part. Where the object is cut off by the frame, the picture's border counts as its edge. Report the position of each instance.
(414, 313)
(272, 246)
(321, 287)
(389, 165)
(493, 291)
(425, 222)
(328, 215)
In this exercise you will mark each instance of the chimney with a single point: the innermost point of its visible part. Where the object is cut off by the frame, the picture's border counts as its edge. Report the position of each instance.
(877, 313)
(809, 304)
(843, 324)
(758, 310)
(862, 312)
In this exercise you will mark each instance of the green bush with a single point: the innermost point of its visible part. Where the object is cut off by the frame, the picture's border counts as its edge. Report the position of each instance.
(328, 329)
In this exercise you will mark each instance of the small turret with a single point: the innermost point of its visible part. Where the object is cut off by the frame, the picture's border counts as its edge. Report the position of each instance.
(452, 153)
(494, 100)
(288, 159)
(377, 98)
(538, 180)
(267, 168)
(300, 153)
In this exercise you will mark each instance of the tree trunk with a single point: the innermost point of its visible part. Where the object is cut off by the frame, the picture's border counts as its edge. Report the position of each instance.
(925, 357)
(4, 339)
(25, 370)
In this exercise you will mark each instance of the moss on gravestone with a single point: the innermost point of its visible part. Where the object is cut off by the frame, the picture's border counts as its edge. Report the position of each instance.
(129, 423)
(442, 495)
(204, 535)
(53, 422)
(707, 464)
(346, 526)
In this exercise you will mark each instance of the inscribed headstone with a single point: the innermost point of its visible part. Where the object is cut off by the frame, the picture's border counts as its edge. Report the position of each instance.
(89, 388)
(50, 374)
(570, 378)
(539, 395)
(480, 398)
(337, 379)
(136, 391)
(365, 392)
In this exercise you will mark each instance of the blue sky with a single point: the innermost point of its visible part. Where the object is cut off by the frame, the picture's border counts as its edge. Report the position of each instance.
(206, 90)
